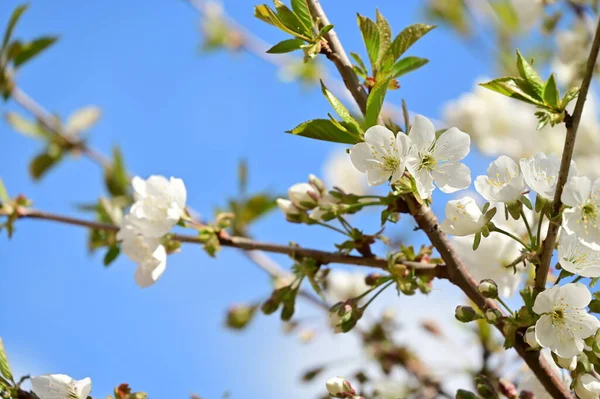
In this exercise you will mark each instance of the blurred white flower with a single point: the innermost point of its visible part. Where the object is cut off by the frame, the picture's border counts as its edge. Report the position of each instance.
(382, 156)
(159, 204)
(587, 387)
(564, 322)
(577, 258)
(343, 285)
(339, 172)
(436, 159)
(60, 386)
(503, 183)
(541, 173)
(463, 217)
(304, 195)
(287, 207)
(531, 383)
(490, 259)
(338, 387)
(147, 253)
(583, 218)
(325, 206)
(528, 12)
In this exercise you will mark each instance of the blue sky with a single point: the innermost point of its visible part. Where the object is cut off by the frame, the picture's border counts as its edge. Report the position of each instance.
(175, 112)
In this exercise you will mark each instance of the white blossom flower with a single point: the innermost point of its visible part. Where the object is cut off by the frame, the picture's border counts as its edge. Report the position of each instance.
(159, 204)
(530, 338)
(583, 219)
(338, 387)
(343, 285)
(503, 183)
(147, 253)
(339, 172)
(463, 217)
(564, 322)
(541, 173)
(324, 206)
(587, 387)
(382, 156)
(287, 207)
(432, 158)
(490, 259)
(577, 258)
(60, 386)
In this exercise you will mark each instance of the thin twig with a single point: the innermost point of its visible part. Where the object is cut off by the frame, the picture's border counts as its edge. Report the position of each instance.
(572, 124)
(458, 273)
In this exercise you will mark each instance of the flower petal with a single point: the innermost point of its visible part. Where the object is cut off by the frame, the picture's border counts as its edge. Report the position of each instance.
(452, 145)
(576, 191)
(422, 133)
(361, 156)
(452, 176)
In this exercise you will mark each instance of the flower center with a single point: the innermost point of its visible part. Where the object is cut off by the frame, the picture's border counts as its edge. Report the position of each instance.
(558, 315)
(427, 162)
(390, 164)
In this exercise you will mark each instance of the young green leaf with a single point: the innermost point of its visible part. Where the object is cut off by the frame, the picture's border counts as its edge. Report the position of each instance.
(4, 365)
(4, 198)
(14, 18)
(551, 92)
(301, 9)
(406, 65)
(530, 75)
(337, 105)
(82, 119)
(30, 49)
(569, 96)
(513, 87)
(371, 37)
(407, 38)
(286, 46)
(111, 255)
(291, 20)
(42, 163)
(324, 30)
(266, 14)
(22, 125)
(115, 177)
(359, 61)
(375, 102)
(385, 35)
(324, 129)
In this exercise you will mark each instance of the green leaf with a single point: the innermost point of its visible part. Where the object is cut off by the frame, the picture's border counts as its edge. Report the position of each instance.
(375, 102)
(42, 163)
(513, 87)
(4, 198)
(22, 125)
(551, 92)
(115, 177)
(111, 255)
(4, 366)
(324, 129)
(14, 18)
(33, 48)
(337, 105)
(83, 119)
(371, 37)
(385, 35)
(286, 46)
(324, 30)
(407, 38)
(406, 65)
(359, 61)
(291, 20)
(266, 14)
(507, 15)
(530, 75)
(569, 96)
(301, 9)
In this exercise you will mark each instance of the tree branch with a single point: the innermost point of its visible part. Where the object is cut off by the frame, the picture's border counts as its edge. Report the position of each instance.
(247, 244)
(458, 273)
(572, 124)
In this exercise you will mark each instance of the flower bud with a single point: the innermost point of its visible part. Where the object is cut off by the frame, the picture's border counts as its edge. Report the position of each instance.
(526, 395)
(569, 363)
(291, 212)
(466, 314)
(596, 344)
(485, 388)
(338, 387)
(488, 288)
(493, 316)
(587, 386)
(530, 338)
(318, 184)
(462, 394)
(239, 316)
(304, 195)
(507, 389)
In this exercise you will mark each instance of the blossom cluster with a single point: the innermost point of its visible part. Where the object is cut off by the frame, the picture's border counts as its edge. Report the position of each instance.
(158, 207)
(60, 386)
